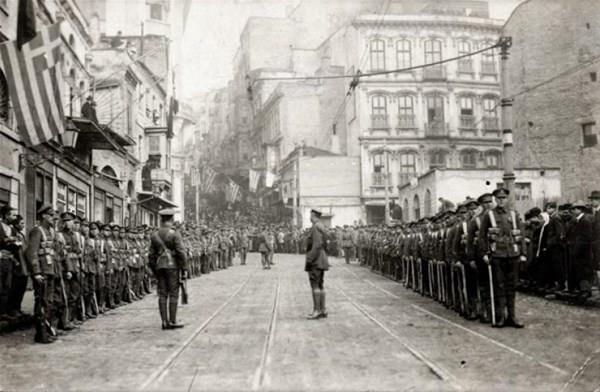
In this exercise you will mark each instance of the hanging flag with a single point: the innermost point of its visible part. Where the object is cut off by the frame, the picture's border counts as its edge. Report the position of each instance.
(232, 192)
(269, 179)
(25, 22)
(34, 85)
(253, 180)
(207, 179)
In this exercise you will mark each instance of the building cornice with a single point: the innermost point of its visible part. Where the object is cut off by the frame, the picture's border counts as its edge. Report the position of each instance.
(442, 21)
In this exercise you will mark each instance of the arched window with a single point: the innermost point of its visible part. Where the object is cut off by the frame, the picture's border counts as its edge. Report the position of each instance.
(435, 115)
(403, 54)
(490, 114)
(438, 159)
(4, 101)
(468, 158)
(405, 210)
(406, 112)
(493, 159)
(379, 117)
(417, 207)
(111, 174)
(427, 202)
(408, 166)
(488, 60)
(433, 54)
(377, 51)
(465, 65)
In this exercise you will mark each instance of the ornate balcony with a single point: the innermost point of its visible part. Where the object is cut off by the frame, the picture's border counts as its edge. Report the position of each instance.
(436, 72)
(465, 66)
(436, 129)
(380, 121)
(488, 68)
(406, 121)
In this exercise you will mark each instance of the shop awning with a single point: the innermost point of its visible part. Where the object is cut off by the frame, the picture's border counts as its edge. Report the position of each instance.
(154, 202)
(92, 135)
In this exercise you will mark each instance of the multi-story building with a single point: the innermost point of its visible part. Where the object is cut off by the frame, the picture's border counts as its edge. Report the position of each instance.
(554, 80)
(408, 122)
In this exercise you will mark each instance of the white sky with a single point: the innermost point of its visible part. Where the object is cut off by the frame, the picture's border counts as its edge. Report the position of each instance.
(214, 28)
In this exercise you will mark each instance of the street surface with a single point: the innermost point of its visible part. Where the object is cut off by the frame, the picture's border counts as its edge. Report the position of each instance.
(246, 330)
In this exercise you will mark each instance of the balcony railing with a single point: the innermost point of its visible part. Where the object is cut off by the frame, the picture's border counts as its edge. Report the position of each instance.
(491, 124)
(467, 122)
(465, 66)
(488, 68)
(436, 72)
(378, 180)
(380, 121)
(436, 129)
(406, 121)
(160, 175)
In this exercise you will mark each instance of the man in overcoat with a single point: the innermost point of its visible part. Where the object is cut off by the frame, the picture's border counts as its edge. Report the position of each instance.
(317, 264)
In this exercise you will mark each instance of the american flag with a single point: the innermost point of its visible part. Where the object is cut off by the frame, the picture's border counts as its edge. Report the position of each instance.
(253, 180)
(207, 179)
(34, 84)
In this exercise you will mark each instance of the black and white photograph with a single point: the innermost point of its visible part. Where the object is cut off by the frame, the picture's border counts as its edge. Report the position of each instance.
(300, 195)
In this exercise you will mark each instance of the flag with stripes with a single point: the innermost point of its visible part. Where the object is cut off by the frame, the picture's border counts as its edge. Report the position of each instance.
(207, 179)
(233, 192)
(34, 84)
(254, 178)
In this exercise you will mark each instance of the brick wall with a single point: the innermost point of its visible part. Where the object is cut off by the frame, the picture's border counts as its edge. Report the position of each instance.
(549, 38)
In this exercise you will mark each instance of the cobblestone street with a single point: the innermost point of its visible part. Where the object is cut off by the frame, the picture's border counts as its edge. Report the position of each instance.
(246, 330)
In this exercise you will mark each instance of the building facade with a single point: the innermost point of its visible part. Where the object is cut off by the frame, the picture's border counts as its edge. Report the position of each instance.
(554, 80)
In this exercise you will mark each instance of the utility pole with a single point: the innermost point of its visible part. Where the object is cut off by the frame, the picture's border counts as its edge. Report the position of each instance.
(506, 117)
(295, 192)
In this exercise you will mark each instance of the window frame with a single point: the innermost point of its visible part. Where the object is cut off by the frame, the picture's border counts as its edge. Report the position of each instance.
(402, 52)
(377, 53)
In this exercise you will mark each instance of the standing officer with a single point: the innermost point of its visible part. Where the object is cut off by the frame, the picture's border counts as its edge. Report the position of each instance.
(20, 270)
(347, 244)
(167, 260)
(500, 241)
(579, 239)
(70, 263)
(43, 265)
(244, 243)
(7, 260)
(317, 264)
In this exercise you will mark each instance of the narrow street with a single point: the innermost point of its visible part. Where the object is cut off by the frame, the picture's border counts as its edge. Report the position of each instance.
(246, 330)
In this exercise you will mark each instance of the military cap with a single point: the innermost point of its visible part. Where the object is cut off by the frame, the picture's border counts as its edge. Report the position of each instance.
(565, 207)
(501, 192)
(115, 226)
(470, 201)
(5, 209)
(594, 195)
(45, 209)
(84, 222)
(579, 204)
(534, 212)
(485, 198)
(462, 207)
(76, 218)
(67, 216)
(92, 225)
(317, 213)
(551, 204)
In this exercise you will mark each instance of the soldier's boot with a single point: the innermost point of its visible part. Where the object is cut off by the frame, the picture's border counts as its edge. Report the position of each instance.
(173, 324)
(41, 333)
(500, 321)
(511, 320)
(162, 309)
(323, 313)
(316, 305)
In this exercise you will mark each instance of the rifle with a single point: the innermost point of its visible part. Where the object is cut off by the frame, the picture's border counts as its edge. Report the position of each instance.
(184, 293)
(65, 298)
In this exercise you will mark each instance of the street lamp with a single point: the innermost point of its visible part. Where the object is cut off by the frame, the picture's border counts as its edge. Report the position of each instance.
(69, 137)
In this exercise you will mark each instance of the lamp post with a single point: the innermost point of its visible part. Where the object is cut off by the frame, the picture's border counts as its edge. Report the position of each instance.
(506, 116)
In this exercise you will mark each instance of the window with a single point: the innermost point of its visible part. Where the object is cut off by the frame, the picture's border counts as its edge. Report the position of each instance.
(9, 191)
(5, 117)
(406, 112)
(379, 162)
(403, 54)
(43, 189)
(99, 205)
(153, 144)
(437, 159)
(81, 205)
(464, 48)
(379, 111)
(490, 107)
(492, 159)
(72, 201)
(488, 61)
(408, 166)
(109, 211)
(468, 159)
(433, 51)
(118, 210)
(590, 138)
(61, 197)
(466, 106)
(465, 65)
(435, 113)
(156, 11)
(377, 49)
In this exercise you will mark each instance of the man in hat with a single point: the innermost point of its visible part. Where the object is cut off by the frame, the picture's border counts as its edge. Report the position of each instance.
(114, 256)
(44, 269)
(580, 236)
(551, 245)
(500, 240)
(70, 256)
(168, 262)
(347, 243)
(595, 200)
(316, 264)
(21, 272)
(88, 270)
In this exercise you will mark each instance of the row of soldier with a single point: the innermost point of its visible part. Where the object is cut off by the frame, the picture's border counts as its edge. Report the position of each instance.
(470, 259)
(81, 269)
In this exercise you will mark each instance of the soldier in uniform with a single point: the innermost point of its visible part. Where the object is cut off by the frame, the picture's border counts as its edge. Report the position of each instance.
(100, 258)
(89, 270)
(500, 241)
(580, 237)
(347, 244)
(7, 258)
(316, 265)
(167, 260)
(21, 272)
(244, 242)
(44, 269)
(114, 261)
(70, 256)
